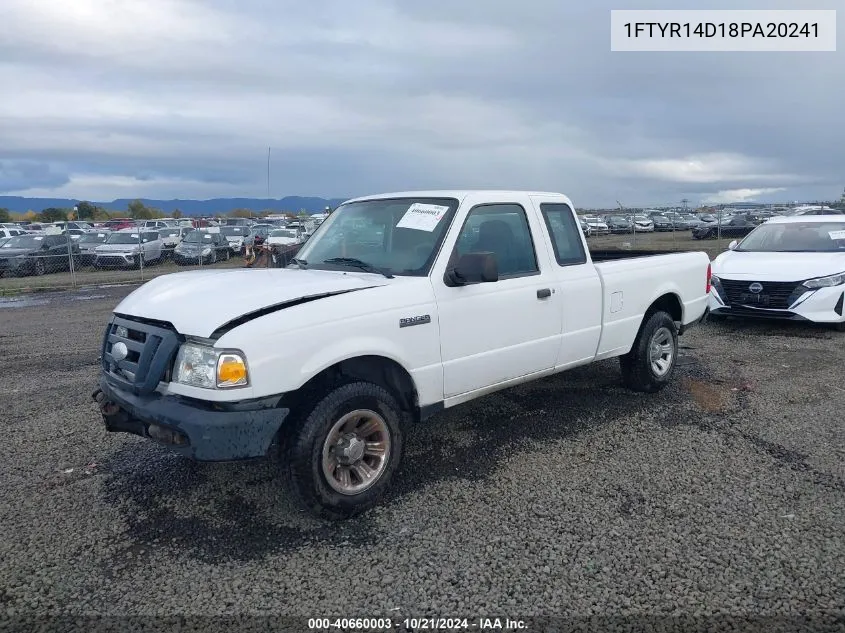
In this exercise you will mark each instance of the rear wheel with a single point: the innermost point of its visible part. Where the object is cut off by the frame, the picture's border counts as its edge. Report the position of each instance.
(651, 362)
(342, 451)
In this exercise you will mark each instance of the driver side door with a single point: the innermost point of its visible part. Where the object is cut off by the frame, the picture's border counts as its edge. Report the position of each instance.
(495, 332)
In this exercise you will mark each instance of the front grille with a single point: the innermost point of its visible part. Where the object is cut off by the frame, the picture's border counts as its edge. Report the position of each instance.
(775, 295)
(150, 351)
(111, 260)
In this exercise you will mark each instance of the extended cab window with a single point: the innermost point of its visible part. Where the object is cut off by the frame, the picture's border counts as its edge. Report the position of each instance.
(501, 229)
(566, 235)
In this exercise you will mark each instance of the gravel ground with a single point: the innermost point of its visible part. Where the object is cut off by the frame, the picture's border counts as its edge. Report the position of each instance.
(567, 497)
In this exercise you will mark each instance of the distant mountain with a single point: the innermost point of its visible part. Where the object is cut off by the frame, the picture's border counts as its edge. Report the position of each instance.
(18, 204)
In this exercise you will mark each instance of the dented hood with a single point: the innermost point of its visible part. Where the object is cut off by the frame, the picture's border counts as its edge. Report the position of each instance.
(198, 303)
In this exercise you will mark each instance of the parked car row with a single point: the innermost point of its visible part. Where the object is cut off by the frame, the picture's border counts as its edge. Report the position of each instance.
(134, 247)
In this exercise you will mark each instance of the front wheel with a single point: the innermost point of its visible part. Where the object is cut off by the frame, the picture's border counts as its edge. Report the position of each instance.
(649, 366)
(342, 452)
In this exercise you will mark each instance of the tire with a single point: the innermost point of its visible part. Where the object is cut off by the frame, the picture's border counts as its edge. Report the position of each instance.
(40, 268)
(315, 477)
(642, 370)
(839, 327)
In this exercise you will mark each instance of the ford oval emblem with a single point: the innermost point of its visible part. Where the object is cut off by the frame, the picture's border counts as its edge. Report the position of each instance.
(119, 351)
(756, 287)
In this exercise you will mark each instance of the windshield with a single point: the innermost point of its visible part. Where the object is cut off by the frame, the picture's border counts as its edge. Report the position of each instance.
(282, 233)
(234, 230)
(399, 235)
(795, 237)
(618, 218)
(24, 241)
(123, 238)
(94, 237)
(195, 237)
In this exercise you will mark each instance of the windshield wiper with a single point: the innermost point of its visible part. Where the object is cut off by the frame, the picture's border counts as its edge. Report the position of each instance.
(299, 262)
(357, 263)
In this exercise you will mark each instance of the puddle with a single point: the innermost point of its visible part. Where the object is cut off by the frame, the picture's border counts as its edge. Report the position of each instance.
(15, 302)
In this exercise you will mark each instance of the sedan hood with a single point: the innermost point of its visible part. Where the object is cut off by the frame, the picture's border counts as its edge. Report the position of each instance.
(191, 247)
(778, 266)
(199, 302)
(117, 248)
(14, 252)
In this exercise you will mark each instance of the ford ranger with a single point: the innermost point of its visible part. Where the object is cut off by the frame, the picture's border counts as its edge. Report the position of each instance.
(399, 306)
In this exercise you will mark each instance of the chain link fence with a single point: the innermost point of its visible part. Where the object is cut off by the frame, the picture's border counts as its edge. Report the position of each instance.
(65, 261)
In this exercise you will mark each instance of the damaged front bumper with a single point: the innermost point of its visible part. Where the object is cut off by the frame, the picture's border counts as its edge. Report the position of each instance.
(200, 430)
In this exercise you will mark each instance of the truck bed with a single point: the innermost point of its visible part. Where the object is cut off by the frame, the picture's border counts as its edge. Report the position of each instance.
(621, 253)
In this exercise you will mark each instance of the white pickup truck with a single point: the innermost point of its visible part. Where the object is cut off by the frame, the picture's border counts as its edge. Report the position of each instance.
(400, 305)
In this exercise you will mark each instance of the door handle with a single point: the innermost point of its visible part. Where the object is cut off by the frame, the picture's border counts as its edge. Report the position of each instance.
(544, 293)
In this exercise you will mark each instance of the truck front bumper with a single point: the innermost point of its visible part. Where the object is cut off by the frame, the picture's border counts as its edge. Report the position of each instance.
(203, 431)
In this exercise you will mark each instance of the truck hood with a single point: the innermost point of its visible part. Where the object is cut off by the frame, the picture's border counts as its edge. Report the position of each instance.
(199, 302)
(778, 266)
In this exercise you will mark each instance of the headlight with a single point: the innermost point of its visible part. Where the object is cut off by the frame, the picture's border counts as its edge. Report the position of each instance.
(825, 282)
(206, 251)
(209, 368)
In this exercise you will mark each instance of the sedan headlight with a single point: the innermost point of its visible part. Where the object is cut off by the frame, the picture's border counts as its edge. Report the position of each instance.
(210, 368)
(825, 282)
(206, 251)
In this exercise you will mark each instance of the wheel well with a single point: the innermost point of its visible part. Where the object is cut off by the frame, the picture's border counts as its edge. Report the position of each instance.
(378, 370)
(669, 303)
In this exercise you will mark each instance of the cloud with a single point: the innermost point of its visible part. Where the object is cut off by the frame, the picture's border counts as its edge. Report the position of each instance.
(181, 98)
(741, 195)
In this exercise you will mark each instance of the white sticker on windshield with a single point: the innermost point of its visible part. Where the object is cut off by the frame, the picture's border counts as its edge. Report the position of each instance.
(101, 234)
(836, 235)
(38, 238)
(422, 217)
(135, 235)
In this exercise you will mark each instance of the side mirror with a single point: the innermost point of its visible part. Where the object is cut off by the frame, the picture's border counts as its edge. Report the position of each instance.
(733, 245)
(473, 268)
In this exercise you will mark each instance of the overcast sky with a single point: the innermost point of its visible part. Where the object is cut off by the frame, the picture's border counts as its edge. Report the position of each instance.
(181, 99)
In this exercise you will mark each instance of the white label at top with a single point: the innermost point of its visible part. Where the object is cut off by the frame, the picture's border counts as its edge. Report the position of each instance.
(422, 217)
(836, 235)
(733, 30)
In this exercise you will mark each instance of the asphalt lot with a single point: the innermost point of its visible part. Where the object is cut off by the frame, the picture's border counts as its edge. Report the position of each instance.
(723, 494)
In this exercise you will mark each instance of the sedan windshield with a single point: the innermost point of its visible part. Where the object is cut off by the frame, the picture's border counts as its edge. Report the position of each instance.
(94, 238)
(229, 231)
(195, 237)
(283, 233)
(24, 241)
(123, 238)
(399, 236)
(795, 237)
